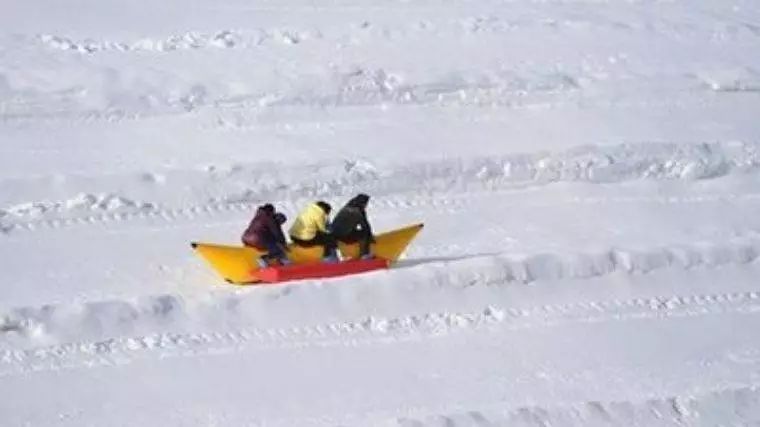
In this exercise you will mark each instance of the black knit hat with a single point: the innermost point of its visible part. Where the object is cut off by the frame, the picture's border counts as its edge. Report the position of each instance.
(325, 206)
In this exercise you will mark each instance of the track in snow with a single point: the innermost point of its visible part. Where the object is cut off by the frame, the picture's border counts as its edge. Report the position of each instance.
(444, 183)
(362, 332)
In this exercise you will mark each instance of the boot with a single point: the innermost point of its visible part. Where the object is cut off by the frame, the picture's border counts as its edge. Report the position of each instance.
(330, 259)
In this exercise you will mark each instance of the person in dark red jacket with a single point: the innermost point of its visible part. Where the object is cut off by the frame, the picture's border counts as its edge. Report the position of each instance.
(265, 234)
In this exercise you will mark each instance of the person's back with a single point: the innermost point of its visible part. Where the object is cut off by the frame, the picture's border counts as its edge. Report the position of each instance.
(310, 229)
(309, 222)
(260, 229)
(351, 224)
(347, 220)
(265, 233)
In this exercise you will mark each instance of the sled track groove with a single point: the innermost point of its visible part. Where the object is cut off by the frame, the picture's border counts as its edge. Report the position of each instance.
(442, 202)
(506, 269)
(442, 184)
(107, 318)
(368, 331)
(288, 36)
(687, 409)
(209, 210)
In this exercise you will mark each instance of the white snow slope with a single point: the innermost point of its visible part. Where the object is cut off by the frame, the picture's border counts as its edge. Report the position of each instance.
(588, 173)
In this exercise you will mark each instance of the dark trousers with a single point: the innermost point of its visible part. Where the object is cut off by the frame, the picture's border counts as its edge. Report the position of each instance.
(321, 239)
(362, 237)
(273, 251)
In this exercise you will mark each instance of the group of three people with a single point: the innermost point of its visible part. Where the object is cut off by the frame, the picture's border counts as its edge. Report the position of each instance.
(311, 228)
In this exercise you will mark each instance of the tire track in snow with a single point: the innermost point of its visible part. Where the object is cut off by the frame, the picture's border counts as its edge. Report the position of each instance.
(252, 38)
(508, 269)
(442, 183)
(367, 331)
(441, 203)
(34, 325)
(493, 88)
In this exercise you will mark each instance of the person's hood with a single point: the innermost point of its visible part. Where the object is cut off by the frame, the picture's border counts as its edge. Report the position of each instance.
(359, 201)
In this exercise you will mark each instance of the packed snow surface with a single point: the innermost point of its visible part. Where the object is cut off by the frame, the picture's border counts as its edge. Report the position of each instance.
(588, 173)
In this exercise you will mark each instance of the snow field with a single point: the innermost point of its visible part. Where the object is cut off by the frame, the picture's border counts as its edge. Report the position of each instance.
(587, 173)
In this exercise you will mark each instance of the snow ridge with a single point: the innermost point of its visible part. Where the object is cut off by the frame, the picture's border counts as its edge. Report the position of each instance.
(735, 404)
(99, 320)
(598, 164)
(124, 349)
(82, 202)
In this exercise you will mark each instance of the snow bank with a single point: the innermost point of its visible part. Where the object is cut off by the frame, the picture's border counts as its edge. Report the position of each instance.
(731, 406)
(98, 320)
(294, 185)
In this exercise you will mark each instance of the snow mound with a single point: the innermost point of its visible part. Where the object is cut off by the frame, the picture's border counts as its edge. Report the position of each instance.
(731, 406)
(82, 203)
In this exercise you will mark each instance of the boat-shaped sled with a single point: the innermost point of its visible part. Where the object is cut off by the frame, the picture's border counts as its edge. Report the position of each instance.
(237, 264)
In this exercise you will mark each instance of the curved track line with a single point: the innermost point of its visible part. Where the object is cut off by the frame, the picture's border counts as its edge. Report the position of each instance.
(101, 319)
(368, 331)
(444, 183)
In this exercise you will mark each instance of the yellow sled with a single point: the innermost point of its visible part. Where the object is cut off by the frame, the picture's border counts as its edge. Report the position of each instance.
(237, 264)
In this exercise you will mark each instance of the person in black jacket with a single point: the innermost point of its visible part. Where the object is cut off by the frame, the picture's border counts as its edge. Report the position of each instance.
(351, 225)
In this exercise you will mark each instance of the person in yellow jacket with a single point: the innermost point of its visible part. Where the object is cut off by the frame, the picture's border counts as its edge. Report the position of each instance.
(311, 228)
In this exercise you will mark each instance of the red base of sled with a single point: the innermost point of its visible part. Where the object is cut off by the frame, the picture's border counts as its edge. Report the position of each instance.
(315, 271)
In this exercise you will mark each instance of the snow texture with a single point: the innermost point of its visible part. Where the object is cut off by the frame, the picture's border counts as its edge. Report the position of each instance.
(588, 173)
